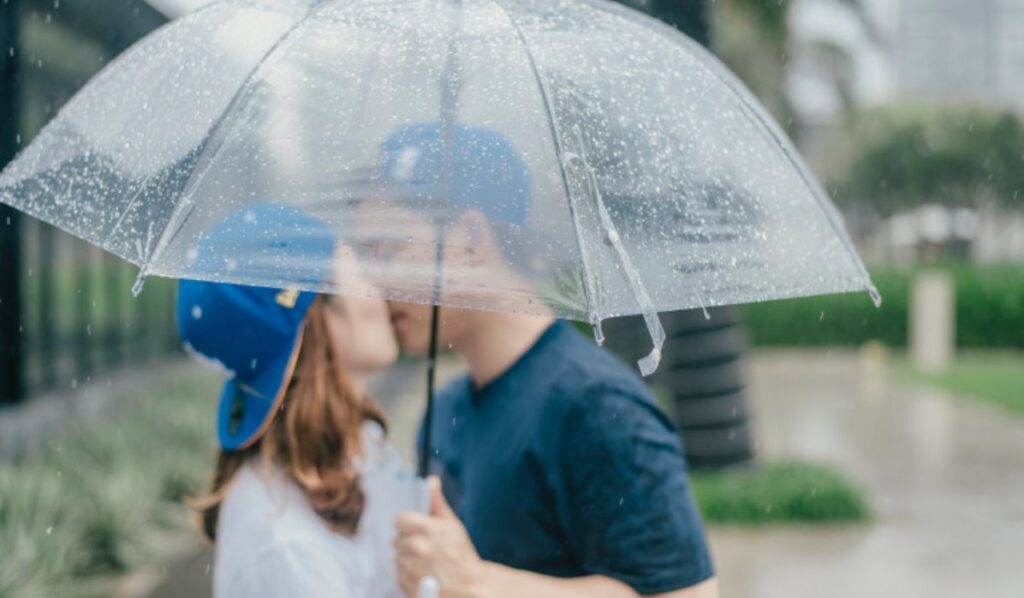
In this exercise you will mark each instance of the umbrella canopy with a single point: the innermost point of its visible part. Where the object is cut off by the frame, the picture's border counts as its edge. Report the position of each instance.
(617, 166)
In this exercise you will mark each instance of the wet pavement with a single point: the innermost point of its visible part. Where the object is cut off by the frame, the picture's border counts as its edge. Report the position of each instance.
(945, 477)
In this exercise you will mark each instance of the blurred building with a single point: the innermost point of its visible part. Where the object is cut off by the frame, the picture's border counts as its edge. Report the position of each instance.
(948, 49)
(853, 55)
(961, 50)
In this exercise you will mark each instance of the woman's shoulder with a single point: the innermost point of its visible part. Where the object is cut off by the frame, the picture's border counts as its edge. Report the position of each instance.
(266, 518)
(264, 506)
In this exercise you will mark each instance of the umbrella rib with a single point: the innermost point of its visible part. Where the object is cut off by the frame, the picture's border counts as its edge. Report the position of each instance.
(215, 140)
(588, 283)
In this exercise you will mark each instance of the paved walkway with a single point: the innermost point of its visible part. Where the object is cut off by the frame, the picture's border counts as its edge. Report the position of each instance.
(945, 477)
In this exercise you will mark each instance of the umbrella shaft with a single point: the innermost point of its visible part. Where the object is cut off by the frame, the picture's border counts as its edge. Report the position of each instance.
(428, 416)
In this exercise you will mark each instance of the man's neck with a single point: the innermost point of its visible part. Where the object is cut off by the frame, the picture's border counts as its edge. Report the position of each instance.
(496, 341)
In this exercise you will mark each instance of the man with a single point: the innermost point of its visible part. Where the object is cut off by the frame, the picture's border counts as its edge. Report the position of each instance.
(566, 478)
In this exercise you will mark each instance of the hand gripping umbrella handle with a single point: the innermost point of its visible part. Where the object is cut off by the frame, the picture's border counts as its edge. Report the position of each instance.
(429, 588)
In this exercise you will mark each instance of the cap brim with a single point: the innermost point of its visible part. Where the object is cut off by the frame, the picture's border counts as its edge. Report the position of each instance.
(260, 396)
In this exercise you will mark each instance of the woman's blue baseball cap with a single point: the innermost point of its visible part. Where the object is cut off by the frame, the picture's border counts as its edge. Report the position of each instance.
(252, 333)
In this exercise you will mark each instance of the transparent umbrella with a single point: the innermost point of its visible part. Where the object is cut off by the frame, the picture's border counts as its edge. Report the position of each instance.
(617, 167)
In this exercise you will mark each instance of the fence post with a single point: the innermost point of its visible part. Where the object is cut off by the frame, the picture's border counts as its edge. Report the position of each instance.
(932, 321)
(11, 341)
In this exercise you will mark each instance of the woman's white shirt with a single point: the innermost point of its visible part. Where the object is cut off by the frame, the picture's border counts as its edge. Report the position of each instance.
(271, 543)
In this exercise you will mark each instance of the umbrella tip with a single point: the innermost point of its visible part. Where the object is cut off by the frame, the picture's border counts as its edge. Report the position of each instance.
(598, 332)
(140, 281)
(876, 297)
(649, 365)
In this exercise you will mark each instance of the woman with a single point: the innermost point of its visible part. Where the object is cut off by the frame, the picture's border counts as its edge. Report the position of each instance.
(305, 489)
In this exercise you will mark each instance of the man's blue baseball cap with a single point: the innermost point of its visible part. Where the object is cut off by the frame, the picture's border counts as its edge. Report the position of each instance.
(252, 333)
(485, 172)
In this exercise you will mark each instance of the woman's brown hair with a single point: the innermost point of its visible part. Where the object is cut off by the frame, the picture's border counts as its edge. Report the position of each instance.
(314, 439)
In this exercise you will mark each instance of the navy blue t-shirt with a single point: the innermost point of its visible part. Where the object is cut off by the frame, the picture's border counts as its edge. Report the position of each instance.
(565, 466)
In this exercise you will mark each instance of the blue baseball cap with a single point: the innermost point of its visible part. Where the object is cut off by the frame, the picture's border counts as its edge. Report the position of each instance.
(252, 333)
(485, 172)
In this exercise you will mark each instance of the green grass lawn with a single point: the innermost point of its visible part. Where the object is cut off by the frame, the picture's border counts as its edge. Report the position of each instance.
(774, 492)
(779, 492)
(989, 376)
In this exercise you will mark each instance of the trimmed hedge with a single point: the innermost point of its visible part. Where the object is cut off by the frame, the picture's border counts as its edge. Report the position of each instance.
(780, 492)
(989, 312)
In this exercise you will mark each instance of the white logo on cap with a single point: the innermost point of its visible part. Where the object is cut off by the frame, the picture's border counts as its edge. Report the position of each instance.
(287, 298)
(405, 163)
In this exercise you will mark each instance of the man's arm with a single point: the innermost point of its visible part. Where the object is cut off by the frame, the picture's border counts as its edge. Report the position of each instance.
(438, 545)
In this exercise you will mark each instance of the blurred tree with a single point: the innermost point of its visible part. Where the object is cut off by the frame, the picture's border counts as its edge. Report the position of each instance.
(11, 342)
(688, 16)
(836, 62)
(753, 38)
(901, 156)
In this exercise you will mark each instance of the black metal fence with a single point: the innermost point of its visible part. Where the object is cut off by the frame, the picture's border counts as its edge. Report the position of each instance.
(66, 309)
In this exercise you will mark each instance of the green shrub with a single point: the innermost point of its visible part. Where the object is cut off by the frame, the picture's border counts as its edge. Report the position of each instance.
(786, 491)
(989, 312)
(94, 503)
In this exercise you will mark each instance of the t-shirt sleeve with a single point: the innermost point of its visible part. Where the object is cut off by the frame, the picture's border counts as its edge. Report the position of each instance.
(624, 497)
(288, 570)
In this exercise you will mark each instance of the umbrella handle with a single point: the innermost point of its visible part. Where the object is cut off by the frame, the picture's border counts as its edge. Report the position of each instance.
(429, 588)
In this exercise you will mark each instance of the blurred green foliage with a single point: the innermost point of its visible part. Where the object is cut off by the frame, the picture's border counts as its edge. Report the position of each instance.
(900, 156)
(752, 37)
(989, 312)
(785, 491)
(103, 499)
